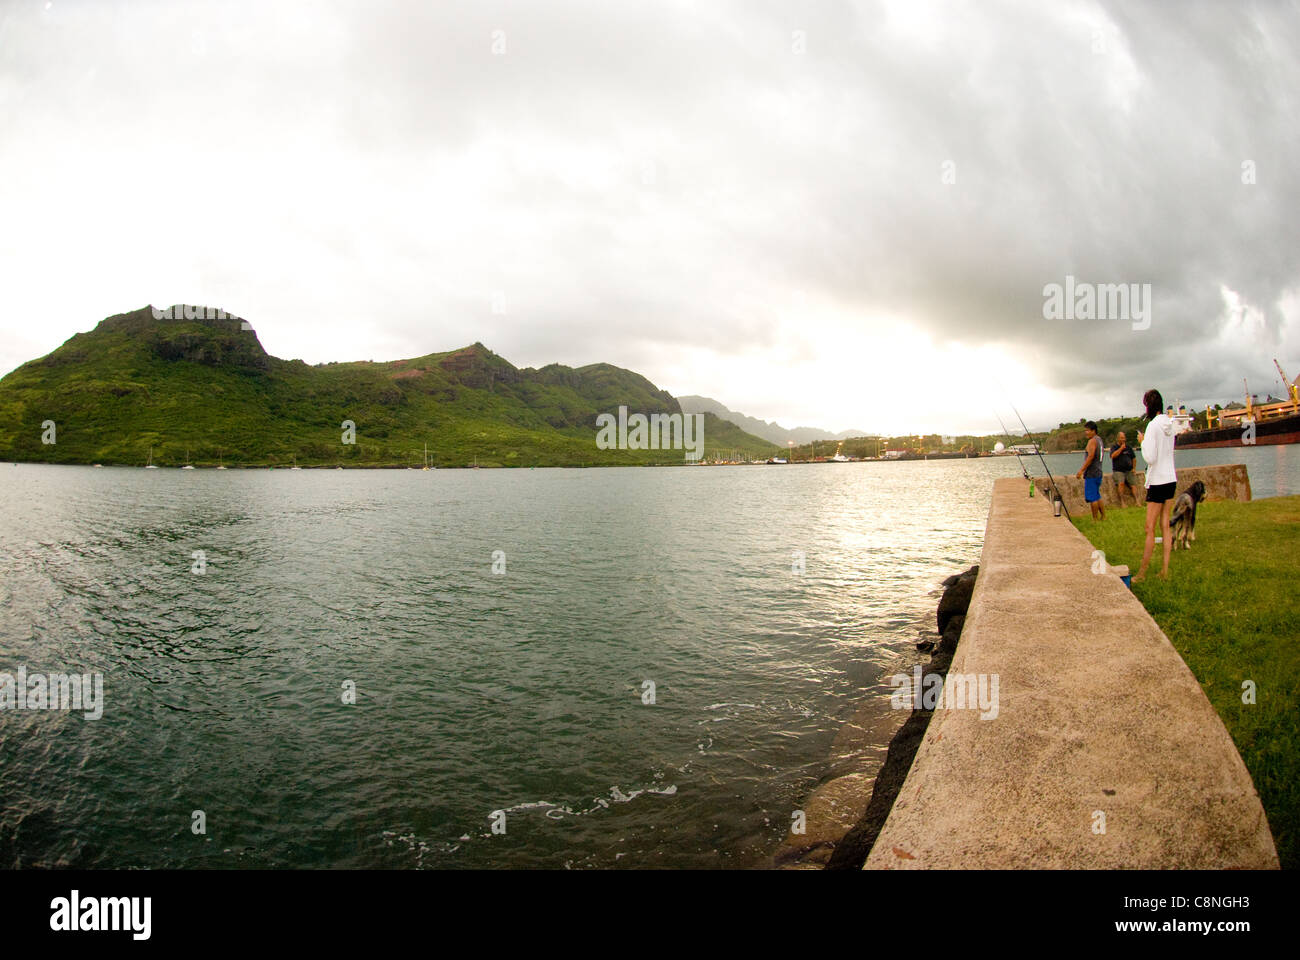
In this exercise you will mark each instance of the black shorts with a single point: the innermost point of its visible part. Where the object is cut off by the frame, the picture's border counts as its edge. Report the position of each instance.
(1161, 492)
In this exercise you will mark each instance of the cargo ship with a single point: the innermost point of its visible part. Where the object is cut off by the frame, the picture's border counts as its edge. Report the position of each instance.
(1255, 424)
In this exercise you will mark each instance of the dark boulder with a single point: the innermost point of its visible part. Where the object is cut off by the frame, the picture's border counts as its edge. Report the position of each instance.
(941, 657)
(952, 633)
(956, 597)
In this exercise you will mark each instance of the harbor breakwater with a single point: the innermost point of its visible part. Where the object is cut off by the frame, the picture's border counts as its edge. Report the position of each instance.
(1103, 751)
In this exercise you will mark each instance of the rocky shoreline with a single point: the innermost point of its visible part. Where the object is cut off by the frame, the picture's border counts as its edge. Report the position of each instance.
(830, 842)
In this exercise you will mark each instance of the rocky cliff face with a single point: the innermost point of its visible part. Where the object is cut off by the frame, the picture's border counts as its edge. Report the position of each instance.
(186, 332)
(478, 367)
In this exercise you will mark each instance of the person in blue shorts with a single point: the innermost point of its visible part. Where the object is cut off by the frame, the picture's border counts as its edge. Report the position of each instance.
(1091, 471)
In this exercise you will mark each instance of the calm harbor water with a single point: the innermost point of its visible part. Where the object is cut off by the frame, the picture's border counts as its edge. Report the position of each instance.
(475, 691)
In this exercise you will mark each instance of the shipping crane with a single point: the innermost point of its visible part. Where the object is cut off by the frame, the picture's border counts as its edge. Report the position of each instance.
(1292, 386)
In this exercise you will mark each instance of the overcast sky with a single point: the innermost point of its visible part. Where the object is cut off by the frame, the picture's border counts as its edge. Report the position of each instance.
(833, 214)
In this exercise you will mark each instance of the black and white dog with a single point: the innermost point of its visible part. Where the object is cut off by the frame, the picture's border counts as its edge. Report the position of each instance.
(1182, 521)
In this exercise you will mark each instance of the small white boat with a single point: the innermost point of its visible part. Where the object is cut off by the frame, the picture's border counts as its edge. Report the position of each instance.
(150, 464)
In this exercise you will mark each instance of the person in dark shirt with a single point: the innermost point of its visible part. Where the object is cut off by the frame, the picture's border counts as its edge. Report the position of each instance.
(1121, 464)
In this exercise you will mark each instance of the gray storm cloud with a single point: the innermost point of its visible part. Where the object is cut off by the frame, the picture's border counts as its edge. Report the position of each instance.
(583, 182)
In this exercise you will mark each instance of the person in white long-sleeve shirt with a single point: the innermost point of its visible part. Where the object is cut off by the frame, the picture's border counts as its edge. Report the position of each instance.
(1162, 480)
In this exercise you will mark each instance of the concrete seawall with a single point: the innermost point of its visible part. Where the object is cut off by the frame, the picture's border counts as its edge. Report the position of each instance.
(1228, 481)
(1104, 752)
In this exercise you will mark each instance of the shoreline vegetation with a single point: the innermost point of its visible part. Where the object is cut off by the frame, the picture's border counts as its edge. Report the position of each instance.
(173, 463)
(203, 391)
(845, 846)
(1229, 608)
(196, 386)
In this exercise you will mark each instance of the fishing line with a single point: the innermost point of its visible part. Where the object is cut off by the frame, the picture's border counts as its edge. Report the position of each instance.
(1056, 490)
(1013, 445)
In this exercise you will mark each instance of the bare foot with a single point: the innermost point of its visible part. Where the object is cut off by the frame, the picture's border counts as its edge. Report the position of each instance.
(1163, 574)
(1139, 578)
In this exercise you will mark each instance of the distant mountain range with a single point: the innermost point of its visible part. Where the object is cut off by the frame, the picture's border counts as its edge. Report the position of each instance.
(773, 432)
(201, 388)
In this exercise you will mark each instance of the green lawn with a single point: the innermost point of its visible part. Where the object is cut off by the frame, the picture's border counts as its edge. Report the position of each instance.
(1230, 608)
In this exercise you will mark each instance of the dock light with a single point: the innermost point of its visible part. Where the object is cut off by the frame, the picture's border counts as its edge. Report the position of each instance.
(1056, 504)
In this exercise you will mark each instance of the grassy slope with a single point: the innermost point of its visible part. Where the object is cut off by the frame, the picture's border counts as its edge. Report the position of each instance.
(135, 383)
(1230, 609)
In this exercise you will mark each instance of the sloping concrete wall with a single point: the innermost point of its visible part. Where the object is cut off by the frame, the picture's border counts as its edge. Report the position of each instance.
(1098, 717)
(1228, 481)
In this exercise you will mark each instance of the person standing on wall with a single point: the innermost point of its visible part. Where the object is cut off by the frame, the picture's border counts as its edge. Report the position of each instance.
(1091, 472)
(1158, 450)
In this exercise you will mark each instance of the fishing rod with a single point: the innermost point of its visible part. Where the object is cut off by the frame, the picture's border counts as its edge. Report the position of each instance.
(1055, 489)
(1013, 446)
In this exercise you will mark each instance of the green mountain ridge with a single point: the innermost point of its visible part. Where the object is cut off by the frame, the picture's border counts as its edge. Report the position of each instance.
(205, 387)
